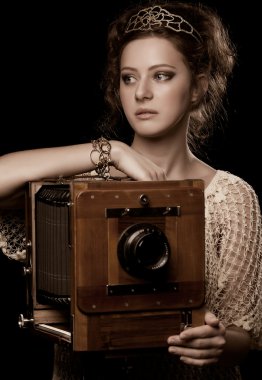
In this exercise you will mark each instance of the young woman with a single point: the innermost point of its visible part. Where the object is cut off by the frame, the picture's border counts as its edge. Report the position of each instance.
(167, 72)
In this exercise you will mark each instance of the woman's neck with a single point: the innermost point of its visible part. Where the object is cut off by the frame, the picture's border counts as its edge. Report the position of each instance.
(174, 156)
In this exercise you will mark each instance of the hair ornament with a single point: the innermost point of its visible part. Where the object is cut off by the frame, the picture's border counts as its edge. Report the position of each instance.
(148, 18)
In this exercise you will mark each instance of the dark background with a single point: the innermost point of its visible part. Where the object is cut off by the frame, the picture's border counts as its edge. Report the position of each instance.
(53, 57)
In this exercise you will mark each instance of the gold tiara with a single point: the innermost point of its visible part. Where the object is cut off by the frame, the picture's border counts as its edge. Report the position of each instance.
(156, 16)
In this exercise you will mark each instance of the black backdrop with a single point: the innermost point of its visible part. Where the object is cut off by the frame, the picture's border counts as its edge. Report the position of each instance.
(53, 57)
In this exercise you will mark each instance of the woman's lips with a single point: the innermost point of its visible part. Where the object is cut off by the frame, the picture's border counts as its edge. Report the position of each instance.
(145, 113)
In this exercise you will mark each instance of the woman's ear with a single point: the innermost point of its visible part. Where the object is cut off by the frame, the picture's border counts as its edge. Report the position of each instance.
(200, 88)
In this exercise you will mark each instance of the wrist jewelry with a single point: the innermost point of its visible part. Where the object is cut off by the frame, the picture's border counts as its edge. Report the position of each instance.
(101, 158)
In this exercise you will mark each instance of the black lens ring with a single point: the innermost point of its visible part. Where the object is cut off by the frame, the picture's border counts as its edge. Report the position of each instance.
(130, 242)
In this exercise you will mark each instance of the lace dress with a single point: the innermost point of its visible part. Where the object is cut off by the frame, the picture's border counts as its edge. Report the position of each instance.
(233, 287)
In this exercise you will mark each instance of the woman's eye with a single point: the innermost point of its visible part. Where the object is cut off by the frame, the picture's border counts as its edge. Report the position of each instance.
(164, 76)
(128, 79)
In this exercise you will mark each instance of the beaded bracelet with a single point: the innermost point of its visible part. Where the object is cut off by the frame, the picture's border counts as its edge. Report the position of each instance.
(102, 149)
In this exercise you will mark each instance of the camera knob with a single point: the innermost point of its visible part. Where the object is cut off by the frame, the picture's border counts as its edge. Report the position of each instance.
(24, 322)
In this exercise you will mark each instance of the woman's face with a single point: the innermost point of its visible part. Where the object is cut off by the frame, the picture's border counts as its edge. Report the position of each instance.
(156, 89)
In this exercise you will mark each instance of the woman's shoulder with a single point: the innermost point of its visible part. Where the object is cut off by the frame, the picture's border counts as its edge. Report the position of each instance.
(224, 180)
(232, 189)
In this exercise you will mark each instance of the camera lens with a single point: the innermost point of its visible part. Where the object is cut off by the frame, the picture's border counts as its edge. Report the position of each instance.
(143, 250)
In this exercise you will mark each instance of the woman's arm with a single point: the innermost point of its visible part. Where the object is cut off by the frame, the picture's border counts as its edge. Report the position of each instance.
(238, 344)
(18, 168)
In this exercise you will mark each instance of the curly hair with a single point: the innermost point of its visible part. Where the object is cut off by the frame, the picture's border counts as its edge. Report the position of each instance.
(213, 56)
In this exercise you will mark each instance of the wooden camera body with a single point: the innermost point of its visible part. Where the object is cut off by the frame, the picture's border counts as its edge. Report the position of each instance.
(114, 264)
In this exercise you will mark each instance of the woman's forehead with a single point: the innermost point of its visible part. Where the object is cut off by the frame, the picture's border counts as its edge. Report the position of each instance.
(154, 50)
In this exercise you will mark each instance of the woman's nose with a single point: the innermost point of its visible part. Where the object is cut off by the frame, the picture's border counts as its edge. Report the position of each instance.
(143, 90)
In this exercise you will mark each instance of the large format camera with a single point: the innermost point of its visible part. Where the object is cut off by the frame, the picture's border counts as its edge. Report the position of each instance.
(114, 264)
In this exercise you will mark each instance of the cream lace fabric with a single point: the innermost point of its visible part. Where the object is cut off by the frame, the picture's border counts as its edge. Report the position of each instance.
(233, 276)
(234, 253)
(12, 234)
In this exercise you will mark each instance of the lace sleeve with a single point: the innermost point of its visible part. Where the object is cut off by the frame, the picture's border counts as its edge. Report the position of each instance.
(233, 255)
(12, 235)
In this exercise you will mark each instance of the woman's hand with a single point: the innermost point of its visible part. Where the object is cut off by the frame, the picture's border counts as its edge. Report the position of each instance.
(133, 164)
(200, 345)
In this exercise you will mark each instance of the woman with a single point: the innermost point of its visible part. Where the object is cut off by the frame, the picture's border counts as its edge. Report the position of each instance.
(167, 72)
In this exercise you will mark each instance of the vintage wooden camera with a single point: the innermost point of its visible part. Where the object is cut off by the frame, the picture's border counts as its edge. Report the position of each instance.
(115, 264)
